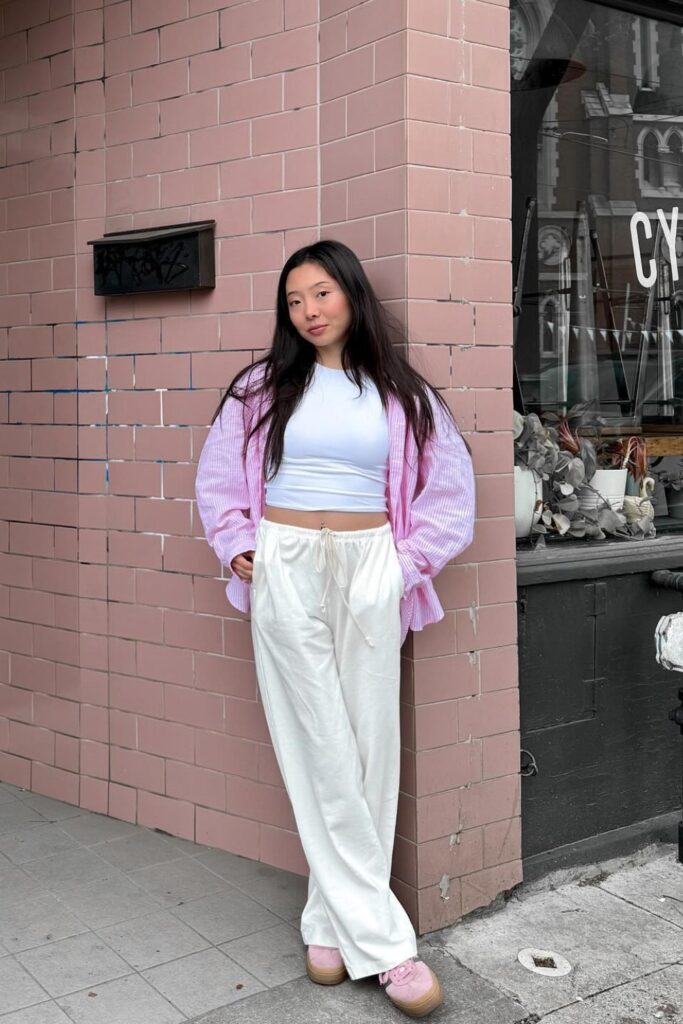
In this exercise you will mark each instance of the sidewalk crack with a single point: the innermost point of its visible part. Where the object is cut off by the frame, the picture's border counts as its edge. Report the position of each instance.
(610, 988)
(648, 910)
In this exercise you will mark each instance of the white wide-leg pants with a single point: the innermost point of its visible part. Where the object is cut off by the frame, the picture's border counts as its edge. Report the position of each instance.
(326, 635)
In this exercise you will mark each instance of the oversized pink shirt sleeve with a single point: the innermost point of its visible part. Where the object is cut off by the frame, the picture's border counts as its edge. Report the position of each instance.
(221, 485)
(442, 512)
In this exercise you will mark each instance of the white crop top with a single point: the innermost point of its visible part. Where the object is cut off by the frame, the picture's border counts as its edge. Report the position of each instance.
(336, 448)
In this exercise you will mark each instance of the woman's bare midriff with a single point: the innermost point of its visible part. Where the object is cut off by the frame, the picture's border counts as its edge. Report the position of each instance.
(332, 520)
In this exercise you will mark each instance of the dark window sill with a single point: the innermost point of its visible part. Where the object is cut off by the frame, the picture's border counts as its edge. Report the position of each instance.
(573, 560)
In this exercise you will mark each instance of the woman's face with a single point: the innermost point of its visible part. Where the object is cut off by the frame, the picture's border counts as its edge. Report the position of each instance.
(318, 307)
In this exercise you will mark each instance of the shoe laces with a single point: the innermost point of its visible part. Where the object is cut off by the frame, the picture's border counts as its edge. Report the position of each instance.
(400, 974)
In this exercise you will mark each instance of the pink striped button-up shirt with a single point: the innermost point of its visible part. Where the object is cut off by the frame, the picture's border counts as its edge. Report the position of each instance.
(431, 505)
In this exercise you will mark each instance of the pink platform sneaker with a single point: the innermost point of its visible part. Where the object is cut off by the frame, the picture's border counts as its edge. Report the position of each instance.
(324, 965)
(413, 988)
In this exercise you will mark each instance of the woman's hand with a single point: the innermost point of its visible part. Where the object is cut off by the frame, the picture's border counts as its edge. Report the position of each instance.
(243, 565)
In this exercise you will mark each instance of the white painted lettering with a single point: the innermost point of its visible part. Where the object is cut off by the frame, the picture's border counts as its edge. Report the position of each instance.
(670, 235)
(636, 219)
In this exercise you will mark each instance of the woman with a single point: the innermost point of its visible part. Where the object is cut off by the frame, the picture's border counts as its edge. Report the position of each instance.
(336, 486)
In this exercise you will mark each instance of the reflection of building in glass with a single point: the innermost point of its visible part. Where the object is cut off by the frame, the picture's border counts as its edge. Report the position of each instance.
(528, 19)
(549, 155)
(597, 99)
(650, 166)
(645, 51)
(660, 158)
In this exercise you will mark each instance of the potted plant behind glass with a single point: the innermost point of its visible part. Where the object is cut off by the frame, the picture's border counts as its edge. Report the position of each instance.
(631, 452)
(566, 511)
(535, 460)
(606, 462)
(552, 465)
(608, 483)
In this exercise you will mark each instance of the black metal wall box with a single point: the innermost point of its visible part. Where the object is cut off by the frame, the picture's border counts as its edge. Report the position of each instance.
(155, 259)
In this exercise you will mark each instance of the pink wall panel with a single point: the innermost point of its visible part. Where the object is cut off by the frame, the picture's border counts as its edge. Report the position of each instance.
(458, 287)
(127, 682)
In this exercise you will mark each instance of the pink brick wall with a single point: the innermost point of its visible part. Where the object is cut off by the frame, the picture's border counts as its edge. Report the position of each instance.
(127, 682)
(460, 810)
(39, 570)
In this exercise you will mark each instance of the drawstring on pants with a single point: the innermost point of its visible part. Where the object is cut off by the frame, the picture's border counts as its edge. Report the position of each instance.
(327, 554)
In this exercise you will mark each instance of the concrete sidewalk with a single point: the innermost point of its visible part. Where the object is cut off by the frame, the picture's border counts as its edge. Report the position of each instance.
(102, 922)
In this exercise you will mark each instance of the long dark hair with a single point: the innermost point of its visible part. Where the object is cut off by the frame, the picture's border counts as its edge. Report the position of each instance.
(371, 346)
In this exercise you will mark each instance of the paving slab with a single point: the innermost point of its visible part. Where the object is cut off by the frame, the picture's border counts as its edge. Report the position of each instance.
(16, 886)
(69, 869)
(72, 964)
(126, 925)
(152, 940)
(129, 1000)
(285, 894)
(37, 922)
(88, 829)
(280, 891)
(202, 982)
(31, 842)
(43, 1013)
(14, 815)
(178, 881)
(274, 956)
(236, 869)
(51, 810)
(109, 901)
(654, 998)
(225, 915)
(9, 788)
(5, 863)
(607, 941)
(467, 1000)
(140, 850)
(657, 887)
(185, 846)
(17, 988)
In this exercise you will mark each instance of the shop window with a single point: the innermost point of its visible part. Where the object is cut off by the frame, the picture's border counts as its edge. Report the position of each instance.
(597, 165)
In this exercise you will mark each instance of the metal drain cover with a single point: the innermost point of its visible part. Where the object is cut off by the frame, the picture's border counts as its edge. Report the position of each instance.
(544, 961)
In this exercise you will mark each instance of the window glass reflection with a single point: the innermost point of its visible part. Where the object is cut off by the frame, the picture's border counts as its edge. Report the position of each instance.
(597, 146)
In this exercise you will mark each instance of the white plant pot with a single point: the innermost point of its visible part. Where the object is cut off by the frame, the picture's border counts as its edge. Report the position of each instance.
(528, 494)
(610, 485)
